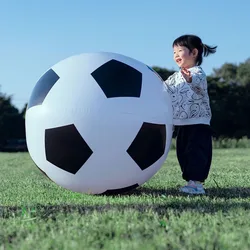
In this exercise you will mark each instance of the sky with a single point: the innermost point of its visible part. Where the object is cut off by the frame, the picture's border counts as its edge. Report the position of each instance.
(36, 34)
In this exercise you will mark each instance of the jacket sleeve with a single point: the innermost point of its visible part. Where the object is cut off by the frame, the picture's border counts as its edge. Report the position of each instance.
(170, 84)
(199, 81)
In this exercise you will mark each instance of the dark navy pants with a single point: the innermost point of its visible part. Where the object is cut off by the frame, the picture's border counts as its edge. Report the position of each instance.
(194, 151)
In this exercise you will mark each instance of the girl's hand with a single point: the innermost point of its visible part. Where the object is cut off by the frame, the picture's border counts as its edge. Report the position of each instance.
(187, 75)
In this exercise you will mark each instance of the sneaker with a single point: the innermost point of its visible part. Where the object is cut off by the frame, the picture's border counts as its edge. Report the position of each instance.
(193, 187)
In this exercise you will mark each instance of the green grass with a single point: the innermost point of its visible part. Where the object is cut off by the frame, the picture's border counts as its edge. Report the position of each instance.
(35, 213)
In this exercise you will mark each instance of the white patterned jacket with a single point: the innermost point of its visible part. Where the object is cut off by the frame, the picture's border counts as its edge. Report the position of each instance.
(190, 101)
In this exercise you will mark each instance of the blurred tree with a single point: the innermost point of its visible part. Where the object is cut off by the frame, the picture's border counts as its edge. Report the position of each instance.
(12, 124)
(243, 73)
(226, 73)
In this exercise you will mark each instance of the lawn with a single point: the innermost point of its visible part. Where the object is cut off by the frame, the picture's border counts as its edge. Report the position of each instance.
(35, 213)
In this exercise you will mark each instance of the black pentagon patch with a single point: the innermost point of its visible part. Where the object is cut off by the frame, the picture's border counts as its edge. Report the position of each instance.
(120, 190)
(148, 145)
(66, 149)
(117, 79)
(42, 88)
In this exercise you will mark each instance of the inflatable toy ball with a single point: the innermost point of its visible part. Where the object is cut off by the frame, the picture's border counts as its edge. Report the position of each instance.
(99, 123)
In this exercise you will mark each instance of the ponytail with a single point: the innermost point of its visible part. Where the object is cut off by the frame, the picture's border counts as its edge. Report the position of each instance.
(207, 50)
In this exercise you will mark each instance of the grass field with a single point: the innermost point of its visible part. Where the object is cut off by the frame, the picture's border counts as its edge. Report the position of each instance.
(37, 214)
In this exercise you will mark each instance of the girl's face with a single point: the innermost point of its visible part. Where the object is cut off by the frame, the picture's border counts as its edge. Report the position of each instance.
(183, 57)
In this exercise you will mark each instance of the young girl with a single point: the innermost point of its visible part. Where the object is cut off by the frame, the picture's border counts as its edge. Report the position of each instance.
(191, 111)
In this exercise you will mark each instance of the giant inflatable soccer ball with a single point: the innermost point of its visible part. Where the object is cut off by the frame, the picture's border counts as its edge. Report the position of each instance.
(99, 123)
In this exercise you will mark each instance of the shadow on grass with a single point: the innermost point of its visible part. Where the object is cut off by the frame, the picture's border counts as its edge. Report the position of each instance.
(49, 211)
(166, 202)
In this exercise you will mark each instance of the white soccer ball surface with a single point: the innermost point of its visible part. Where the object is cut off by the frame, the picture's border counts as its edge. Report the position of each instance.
(99, 123)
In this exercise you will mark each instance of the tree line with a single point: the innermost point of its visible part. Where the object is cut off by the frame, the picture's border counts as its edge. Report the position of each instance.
(229, 91)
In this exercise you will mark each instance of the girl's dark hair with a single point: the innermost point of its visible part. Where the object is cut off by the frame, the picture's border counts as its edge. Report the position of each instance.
(194, 42)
